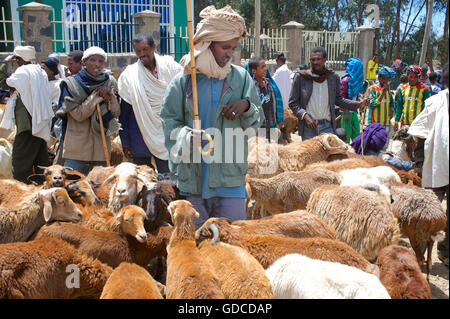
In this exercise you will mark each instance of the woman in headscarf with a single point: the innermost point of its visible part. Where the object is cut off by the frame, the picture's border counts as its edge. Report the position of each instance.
(352, 83)
(228, 104)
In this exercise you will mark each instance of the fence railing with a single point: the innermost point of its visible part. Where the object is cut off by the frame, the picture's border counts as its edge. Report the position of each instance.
(272, 42)
(10, 35)
(339, 46)
(175, 43)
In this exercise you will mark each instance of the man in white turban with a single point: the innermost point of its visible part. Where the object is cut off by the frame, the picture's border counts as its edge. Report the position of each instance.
(227, 102)
(30, 110)
(142, 86)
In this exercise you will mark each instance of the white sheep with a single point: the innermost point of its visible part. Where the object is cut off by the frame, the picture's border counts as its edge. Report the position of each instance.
(40, 207)
(125, 188)
(295, 276)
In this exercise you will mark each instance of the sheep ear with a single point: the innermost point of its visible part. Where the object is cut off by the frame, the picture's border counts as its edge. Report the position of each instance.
(38, 179)
(47, 208)
(119, 214)
(196, 214)
(109, 179)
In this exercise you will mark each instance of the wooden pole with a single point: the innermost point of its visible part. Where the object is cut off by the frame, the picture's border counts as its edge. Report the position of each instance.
(102, 133)
(194, 79)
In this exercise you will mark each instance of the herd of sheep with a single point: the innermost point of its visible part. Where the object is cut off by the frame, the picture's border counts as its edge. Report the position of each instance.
(334, 221)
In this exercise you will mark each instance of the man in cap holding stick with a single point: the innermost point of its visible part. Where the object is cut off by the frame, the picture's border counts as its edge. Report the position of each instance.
(228, 101)
(30, 109)
(83, 146)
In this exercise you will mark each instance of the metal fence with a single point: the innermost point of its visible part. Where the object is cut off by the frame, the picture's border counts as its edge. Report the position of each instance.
(339, 46)
(272, 43)
(175, 43)
(107, 24)
(9, 26)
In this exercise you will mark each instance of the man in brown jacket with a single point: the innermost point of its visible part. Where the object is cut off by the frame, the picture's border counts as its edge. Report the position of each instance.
(80, 94)
(313, 97)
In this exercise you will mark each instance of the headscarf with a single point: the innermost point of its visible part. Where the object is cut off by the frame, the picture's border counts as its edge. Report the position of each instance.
(355, 72)
(93, 51)
(27, 53)
(49, 63)
(276, 90)
(414, 69)
(397, 65)
(386, 71)
(374, 138)
(217, 25)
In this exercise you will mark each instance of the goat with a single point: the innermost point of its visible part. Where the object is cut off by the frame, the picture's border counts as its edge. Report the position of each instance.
(53, 176)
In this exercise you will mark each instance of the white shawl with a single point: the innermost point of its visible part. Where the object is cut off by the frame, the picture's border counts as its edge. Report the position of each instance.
(31, 83)
(432, 125)
(138, 87)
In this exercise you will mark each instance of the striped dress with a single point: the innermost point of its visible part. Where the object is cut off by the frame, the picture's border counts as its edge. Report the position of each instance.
(380, 112)
(410, 102)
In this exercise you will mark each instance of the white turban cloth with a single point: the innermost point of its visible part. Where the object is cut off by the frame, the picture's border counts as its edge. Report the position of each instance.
(217, 25)
(27, 53)
(93, 51)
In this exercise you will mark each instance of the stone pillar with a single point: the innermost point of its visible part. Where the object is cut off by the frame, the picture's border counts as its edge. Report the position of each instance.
(36, 28)
(294, 42)
(147, 22)
(365, 45)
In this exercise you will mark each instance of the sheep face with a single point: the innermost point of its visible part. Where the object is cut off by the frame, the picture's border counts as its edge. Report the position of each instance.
(332, 144)
(149, 195)
(132, 222)
(82, 192)
(57, 205)
(180, 210)
(53, 176)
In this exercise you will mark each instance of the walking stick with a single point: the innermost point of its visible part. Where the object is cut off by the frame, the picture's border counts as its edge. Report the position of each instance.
(102, 133)
(194, 80)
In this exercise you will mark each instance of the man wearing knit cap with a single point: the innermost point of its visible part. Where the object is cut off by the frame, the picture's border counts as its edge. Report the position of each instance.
(227, 101)
(82, 141)
(29, 110)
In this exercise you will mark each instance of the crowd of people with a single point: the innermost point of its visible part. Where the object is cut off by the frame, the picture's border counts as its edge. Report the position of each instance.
(150, 106)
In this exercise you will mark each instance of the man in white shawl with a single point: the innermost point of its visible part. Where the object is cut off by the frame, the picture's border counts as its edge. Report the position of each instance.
(142, 86)
(431, 125)
(30, 110)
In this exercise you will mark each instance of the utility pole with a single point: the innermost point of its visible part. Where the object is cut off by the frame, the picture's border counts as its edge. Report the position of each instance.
(426, 36)
(257, 27)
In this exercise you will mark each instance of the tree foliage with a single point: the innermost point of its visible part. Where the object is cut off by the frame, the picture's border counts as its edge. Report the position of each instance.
(399, 36)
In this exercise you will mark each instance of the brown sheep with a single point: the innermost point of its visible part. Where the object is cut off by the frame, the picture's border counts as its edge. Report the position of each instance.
(39, 208)
(82, 192)
(410, 177)
(39, 269)
(269, 159)
(296, 224)
(241, 276)
(401, 275)
(13, 191)
(53, 176)
(421, 217)
(130, 281)
(268, 248)
(339, 165)
(128, 221)
(189, 274)
(109, 247)
(361, 218)
(288, 191)
(116, 154)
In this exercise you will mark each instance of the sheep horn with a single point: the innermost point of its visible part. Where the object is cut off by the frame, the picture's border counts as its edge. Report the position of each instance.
(215, 231)
(109, 179)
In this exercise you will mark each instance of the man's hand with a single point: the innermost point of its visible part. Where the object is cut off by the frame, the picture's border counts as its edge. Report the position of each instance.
(104, 92)
(362, 104)
(310, 123)
(395, 127)
(127, 152)
(67, 72)
(234, 109)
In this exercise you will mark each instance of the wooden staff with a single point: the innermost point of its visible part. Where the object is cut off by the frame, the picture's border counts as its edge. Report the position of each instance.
(102, 133)
(194, 80)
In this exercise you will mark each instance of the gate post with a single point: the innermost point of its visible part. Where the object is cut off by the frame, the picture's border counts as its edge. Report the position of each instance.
(36, 29)
(147, 22)
(365, 45)
(294, 42)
